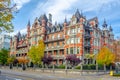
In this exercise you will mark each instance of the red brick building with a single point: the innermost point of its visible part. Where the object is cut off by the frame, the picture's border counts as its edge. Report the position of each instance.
(78, 36)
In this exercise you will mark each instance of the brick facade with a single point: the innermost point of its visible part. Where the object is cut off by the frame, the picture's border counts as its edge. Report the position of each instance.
(78, 36)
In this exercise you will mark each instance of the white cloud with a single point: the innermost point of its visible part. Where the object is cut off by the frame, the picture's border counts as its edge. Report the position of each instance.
(23, 31)
(56, 7)
(20, 3)
(108, 9)
(61, 8)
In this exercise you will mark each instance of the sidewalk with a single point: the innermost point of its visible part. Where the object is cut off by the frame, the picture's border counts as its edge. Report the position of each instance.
(61, 71)
(56, 76)
(61, 74)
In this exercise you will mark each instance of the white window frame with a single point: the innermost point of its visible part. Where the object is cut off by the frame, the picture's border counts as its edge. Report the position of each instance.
(78, 30)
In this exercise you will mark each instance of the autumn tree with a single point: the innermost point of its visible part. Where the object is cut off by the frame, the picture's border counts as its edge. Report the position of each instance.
(105, 57)
(37, 52)
(23, 61)
(47, 60)
(6, 15)
(15, 61)
(72, 60)
(41, 49)
(10, 61)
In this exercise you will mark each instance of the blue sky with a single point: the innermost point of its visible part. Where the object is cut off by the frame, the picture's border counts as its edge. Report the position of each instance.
(30, 9)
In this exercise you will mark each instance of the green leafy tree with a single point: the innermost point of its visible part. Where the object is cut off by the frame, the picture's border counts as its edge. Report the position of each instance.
(105, 56)
(37, 52)
(6, 16)
(3, 56)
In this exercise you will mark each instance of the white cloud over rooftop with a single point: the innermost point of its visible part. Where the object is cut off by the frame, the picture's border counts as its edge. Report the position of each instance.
(108, 9)
(20, 3)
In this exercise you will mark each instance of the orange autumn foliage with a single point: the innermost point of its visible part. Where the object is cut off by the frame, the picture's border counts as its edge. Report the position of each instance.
(22, 60)
(105, 56)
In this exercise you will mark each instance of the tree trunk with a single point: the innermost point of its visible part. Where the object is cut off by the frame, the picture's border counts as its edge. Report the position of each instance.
(23, 67)
(66, 69)
(96, 67)
(11, 66)
(42, 67)
(110, 67)
(53, 68)
(46, 66)
(17, 65)
(81, 67)
(105, 67)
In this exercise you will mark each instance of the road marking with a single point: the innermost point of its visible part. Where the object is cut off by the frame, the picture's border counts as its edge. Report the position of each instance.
(18, 79)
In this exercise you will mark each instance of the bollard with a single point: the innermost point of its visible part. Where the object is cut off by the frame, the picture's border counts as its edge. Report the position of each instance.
(111, 73)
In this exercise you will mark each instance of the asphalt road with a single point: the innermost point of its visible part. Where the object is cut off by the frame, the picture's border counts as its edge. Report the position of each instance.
(8, 77)
(32, 75)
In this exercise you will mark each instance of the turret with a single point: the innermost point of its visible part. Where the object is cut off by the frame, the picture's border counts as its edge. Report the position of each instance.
(43, 20)
(36, 22)
(77, 14)
(16, 42)
(11, 41)
(18, 36)
(111, 32)
(110, 29)
(104, 24)
(65, 22)
(28, 29)
(50, 20)
(28, 26)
